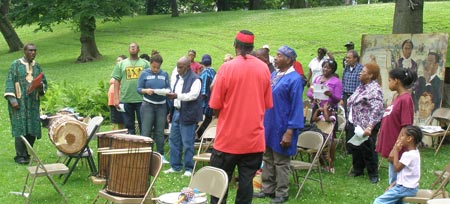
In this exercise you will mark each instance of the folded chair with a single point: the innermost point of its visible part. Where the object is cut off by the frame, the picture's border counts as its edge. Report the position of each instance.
(86, 152)
(437, 189)
(155, 168)
(39, 169)
(341, 129)
(205, 143)
(313, 143)
(210, 180)
(442, 115)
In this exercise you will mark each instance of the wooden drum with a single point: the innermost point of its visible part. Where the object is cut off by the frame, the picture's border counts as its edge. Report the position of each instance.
(67, 134)
(129, 165)
(104, 142)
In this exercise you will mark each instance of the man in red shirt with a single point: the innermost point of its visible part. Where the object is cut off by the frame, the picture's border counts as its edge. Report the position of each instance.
(241, 94)
(195, 66)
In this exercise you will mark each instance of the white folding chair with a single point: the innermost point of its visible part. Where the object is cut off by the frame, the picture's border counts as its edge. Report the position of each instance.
(314, 143)
(38, 169)
(442, 115)
(203, 154)
(210, 180)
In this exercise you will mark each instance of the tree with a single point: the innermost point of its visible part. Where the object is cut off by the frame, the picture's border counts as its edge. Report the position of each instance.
(82, 13)
(297, 4)
(408, 16)
(255, 4)
(173, 4)
(7, 30)
(150, 7)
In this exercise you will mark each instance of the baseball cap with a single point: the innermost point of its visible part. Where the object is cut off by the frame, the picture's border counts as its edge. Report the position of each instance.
(206, 60)
(349, 44)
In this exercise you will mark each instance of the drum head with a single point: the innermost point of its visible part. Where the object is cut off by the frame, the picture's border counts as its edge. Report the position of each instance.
(171, 198)
(68, 135)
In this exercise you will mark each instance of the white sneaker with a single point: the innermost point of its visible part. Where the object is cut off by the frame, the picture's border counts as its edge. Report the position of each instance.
(187, 173)
(168, 171)
(164, 160)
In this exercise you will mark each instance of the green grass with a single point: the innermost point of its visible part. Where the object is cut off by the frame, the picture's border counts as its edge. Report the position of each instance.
(212, 33)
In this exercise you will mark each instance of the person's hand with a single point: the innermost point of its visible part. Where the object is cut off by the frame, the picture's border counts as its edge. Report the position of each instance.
(149, 91)
(327, 93)
(171, 95)
(341, 102)
(116, 104)
(168, 118)
(287, 139)
(15, 105)
(367, 131)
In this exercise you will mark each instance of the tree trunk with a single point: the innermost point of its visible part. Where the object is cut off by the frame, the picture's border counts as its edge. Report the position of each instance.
(150, 7)
(223, 5)
(254, 4)
(297, 4)
(8, 32)
(89, 50)
(174, 5)
(408, 17)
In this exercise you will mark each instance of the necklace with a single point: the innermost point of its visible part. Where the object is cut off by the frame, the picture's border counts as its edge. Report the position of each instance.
(135, 62)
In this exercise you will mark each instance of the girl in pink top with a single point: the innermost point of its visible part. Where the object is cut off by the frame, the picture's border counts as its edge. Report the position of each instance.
(396, 116)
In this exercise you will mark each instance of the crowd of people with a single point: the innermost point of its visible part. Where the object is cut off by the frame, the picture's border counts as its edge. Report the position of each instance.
(259, 106)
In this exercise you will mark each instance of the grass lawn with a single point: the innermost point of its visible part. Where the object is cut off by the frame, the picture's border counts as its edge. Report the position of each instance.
(212, 33)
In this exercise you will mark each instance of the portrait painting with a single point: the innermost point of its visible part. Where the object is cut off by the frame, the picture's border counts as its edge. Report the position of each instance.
(424, 54)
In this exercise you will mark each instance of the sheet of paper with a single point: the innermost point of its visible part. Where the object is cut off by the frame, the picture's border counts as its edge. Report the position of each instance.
(319, 91)
(431, 128)
(358, 138)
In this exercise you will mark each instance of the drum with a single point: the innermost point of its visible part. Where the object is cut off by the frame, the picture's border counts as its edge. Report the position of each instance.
(104, 142)
(67, 134)
(129, 170)
(172, 198)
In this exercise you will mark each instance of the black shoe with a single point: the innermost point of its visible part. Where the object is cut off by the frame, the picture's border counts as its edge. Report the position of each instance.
(279, 200)
(263, 195)
(374, 179)
(21, 160)
(353, 174)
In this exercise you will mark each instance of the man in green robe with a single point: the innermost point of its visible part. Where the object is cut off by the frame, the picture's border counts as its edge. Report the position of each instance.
(24, 86)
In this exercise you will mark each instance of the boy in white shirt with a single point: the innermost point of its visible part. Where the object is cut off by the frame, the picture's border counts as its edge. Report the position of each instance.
(408, 167)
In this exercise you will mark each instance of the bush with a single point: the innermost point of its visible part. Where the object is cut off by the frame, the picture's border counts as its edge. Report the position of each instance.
(87, 101)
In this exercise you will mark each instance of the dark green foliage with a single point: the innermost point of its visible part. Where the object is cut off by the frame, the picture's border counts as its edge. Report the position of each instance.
(85, 100)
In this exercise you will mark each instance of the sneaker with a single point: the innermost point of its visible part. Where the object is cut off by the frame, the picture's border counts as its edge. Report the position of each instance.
(168, 171)
(164, 160)
(187, 173)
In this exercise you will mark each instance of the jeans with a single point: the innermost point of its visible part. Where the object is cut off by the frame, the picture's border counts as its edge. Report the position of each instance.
(392, 174)
(153, 117)
(181, 139)
(247, 165)
(132, 110)
(395, 195)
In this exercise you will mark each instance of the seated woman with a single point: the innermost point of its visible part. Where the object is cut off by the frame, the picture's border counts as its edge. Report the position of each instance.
(328, 114)
(333, 95)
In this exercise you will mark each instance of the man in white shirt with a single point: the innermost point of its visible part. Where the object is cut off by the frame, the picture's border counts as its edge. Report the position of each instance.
(185, 115)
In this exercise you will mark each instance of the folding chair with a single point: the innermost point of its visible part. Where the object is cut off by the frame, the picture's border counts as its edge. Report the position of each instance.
(313, 142)
(210, 180)
(437, 189)
(155, 168)
(40, 169)
(86, 152)
(442, 115)
(341, 129)
(205, 143)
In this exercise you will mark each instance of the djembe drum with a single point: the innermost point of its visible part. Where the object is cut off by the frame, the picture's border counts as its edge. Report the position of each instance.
(129, 165)
(67, 134)
(105, 140)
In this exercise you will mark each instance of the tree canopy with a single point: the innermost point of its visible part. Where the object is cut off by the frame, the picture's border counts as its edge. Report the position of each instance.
(82, 13)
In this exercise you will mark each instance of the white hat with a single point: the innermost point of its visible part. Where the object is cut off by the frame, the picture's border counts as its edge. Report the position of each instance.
(266, 46)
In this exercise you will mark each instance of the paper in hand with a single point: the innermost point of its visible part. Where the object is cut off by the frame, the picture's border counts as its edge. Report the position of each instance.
(319, 91)
(358, 138)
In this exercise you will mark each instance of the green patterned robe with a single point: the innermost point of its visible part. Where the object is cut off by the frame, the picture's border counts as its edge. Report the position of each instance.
(25, 120)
